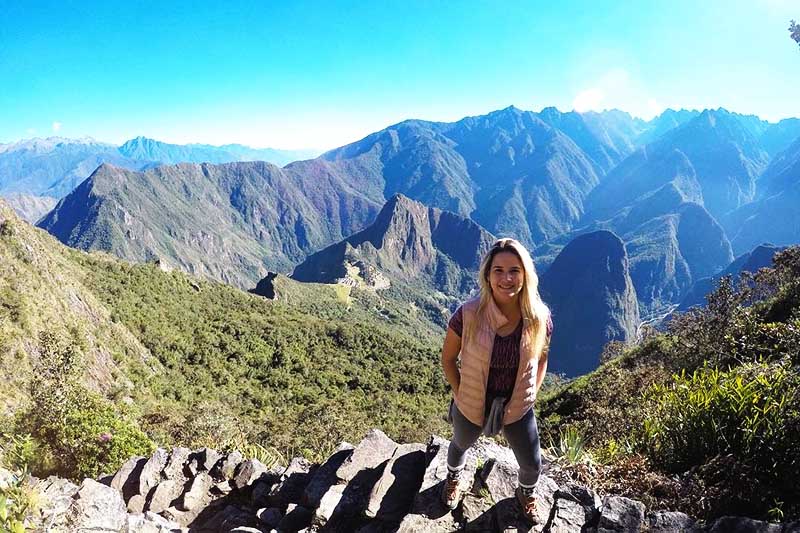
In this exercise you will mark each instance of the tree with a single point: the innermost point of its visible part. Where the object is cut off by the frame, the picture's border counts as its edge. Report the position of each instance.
(794, 30)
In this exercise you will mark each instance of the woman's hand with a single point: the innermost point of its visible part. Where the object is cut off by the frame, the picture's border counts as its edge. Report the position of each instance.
(450, 351)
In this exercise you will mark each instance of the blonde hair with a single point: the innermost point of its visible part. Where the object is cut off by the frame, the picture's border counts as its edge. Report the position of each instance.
(534, 311)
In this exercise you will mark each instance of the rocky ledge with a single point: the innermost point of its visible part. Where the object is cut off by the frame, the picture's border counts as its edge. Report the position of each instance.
(377, 486)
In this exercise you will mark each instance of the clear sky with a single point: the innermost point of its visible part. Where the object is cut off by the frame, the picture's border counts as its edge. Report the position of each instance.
(324, 73)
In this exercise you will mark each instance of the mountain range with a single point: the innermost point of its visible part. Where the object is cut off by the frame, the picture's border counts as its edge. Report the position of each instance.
(44, 170)
(676, 190)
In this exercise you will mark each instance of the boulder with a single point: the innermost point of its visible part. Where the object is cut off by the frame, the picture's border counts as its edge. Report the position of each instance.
(292, 483)
(620, 514)
(150, 475)
(203, 460)
(226, 467)
(126, 480)
(270, 517)
(197, 496)
(55, 496)
(374, 449)
(136, 504)
(97, 507)
(163, 495)
(248, 472)
(668, 521)
(325, 476)
(296, 518)
(394, 492)
(149, 523)
(176, 463)
(736, 524)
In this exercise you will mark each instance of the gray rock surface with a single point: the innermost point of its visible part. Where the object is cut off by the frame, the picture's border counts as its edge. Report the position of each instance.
(376, 487)
(151, 471)
(620, 514)
(97, 507)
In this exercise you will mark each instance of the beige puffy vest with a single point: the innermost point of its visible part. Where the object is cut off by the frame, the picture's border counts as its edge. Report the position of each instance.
(476, 354)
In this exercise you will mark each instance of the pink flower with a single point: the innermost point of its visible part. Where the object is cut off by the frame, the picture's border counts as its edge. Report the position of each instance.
(104, 437)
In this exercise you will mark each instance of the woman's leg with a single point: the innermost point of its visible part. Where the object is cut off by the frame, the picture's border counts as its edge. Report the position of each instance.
(523, 436)
(465, 433)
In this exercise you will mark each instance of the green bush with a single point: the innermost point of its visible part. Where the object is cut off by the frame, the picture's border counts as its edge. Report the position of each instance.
(77, 433)
(750, 414)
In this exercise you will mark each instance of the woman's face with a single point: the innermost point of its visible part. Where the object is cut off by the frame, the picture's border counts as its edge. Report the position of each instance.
(506, 277)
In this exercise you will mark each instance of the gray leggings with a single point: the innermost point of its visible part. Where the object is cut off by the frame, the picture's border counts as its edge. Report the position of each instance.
(522, 435)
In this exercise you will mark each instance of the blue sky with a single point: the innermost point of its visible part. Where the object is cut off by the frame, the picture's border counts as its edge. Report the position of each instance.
(324, 73)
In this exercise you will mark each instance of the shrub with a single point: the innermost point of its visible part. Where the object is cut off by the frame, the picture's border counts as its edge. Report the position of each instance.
(750, 414)
(77, 432)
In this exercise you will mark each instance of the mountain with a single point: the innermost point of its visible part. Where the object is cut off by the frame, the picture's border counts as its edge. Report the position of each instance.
(671, 242)
(30, 207)
(54, 166)
(668, 120)
(407, 242)
(778, 137)
(607, 137)
(171, 351)
(142, 148)
(591, 295)
(509, 170)
(713, 159)
(230, 222)
(752, 261)
(774, 217)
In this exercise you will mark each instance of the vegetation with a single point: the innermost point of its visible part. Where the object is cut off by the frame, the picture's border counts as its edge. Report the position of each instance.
(720, 407)
(794, 31)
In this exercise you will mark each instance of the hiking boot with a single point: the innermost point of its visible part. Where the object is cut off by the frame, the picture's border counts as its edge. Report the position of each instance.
(527, 503)
(451, 490)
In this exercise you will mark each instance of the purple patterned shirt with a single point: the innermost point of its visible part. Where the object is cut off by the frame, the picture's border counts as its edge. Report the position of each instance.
(505, 357)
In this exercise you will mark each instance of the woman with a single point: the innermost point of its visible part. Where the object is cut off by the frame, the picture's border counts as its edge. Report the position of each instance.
(502, 338)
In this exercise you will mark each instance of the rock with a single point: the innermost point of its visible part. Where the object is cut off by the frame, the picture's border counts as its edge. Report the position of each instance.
(327, 505)
(325, 476)
(668, 521)
(427, 501)
(620, 514)
(226, 467)
(222, 488)
(149, 523)
(566, 500)
(248, 472)
(136, 504)
(414, 523)
(54, 495)
(197, 496)
(126, 480)
(163, 495)
(244, 529)
(150, 475)
(261, 491)
(735, 524)
(296, 518)
(374, 449)
(292, 483)
(793, 527)
(569, 516)
(270, 516)
(203, 460)
(178, 458)
(392, 496)
(97, 507)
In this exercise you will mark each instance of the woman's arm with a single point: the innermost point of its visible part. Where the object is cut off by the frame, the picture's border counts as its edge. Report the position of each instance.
(540, 372)
(450, 351)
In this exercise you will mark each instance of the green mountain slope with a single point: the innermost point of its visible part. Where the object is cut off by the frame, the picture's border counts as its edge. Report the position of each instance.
(204, 363)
